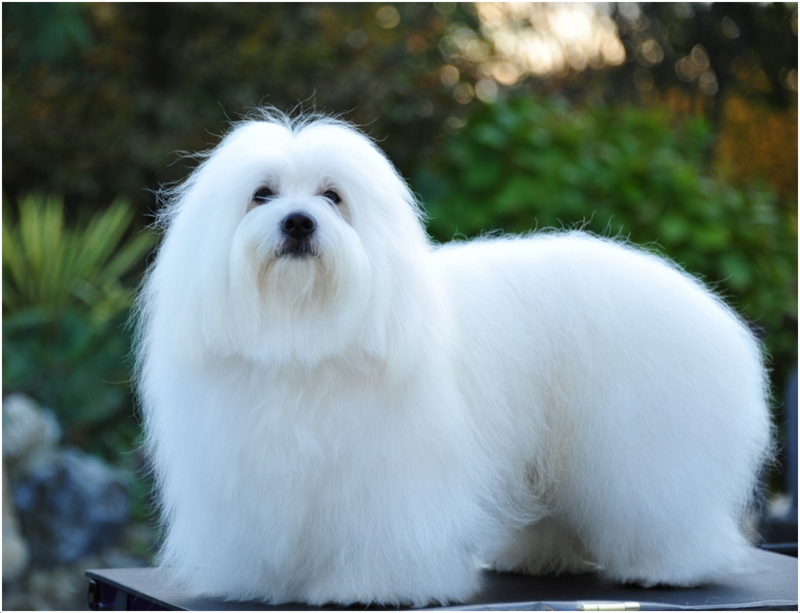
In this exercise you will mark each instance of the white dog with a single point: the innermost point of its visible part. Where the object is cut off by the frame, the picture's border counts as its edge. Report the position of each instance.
(340, 411)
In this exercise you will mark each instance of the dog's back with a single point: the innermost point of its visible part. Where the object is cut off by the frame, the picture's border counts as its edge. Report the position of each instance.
(628, 397)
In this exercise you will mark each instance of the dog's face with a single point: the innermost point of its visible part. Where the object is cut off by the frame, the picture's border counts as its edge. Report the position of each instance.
(300, 201)
(295, 192)
(292, 232)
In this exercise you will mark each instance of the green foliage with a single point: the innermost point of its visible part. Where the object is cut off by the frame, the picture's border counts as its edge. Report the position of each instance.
(64, 307)
(99, 96)
(52, 31)
(48, 266)
(525, 164)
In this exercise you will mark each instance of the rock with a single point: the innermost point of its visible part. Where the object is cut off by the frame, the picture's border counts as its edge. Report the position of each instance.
(70, 506)
(58, 588)
(64, 587)
(30, 433)
(49, 585)
(15, 549)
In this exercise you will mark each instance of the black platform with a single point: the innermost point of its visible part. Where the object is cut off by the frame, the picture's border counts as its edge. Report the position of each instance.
(771, 585)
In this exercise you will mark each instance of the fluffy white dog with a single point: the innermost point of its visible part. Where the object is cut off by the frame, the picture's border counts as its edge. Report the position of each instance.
(340, 411)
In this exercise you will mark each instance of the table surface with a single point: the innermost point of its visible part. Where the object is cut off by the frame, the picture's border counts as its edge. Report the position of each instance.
(770, 584)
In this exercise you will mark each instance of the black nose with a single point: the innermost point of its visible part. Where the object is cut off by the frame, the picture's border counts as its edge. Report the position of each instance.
(298, 225)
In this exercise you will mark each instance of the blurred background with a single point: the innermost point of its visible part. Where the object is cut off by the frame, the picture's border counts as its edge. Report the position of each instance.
(673, 124)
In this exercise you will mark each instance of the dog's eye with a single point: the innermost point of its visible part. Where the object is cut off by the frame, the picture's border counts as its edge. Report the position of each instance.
(333, 196)
(263, 194)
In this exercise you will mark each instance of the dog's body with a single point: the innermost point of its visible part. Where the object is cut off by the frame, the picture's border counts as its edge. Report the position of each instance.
(339, 411)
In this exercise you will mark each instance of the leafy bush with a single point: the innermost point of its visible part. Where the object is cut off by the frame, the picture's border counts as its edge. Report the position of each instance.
(65, 302)
(523, 164)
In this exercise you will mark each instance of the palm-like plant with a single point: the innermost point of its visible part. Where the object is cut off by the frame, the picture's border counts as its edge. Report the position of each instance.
(50, 266)
(65, 300)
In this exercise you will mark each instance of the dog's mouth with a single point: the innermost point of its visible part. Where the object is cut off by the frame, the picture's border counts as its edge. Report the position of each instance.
(297, 248)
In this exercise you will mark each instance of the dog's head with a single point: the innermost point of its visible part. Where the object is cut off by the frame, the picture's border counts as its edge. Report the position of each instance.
(290, 234)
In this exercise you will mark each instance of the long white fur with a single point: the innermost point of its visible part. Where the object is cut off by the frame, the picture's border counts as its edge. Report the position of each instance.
(370, 424)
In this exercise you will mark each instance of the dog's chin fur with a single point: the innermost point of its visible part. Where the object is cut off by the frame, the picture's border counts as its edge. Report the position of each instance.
(362, 417)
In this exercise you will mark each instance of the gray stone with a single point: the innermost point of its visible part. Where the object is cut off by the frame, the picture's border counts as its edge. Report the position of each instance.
(70, 506)
(30, 433)
(15, 549)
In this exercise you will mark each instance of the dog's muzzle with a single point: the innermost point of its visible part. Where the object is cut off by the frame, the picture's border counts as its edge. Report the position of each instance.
(298, 232)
